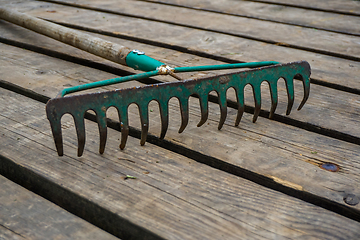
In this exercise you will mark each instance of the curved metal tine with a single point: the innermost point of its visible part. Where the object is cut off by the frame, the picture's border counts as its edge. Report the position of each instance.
(164, 115)
(124, 124)
(184, 109)
(57, 135)
(223, 108)
(306, 85)
(274, 98)
(241, 105)
(144, 118)
(203, 99)
(80, 131)
(290, 92)
(101, 120)
(257, 100)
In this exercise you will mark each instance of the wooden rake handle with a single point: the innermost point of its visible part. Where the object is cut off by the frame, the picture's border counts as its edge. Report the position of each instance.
(97, 46)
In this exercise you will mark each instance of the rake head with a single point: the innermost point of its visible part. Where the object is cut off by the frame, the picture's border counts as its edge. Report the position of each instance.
(182, 90)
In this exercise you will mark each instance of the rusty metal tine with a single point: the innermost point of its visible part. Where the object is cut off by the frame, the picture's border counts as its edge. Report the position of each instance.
(57, 135)
(164, 115)
(80, 131)
(124, 124)
(203, 99)
(184, 109)
(257, 100)
(223, 108)
(274, 98)
(101, 120)
(290, 92)
(55, 123)
(144, 117)
(306, 86)
(241, 105)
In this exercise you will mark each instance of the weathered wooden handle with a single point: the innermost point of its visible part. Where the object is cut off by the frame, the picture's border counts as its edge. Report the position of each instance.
(97, 46)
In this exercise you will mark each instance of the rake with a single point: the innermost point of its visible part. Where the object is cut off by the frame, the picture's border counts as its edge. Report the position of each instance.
(78, 105)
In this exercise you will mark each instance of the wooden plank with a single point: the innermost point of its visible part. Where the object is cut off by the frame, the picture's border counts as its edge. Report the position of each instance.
(25, 215)
(328, 21)
(172, 196)
(327, 69)
(343, 6)
(280, 152)
(281, 34)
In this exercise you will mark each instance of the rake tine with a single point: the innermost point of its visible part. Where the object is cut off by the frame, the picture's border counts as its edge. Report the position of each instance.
(306, 85)
(80, 131)
(124, 123)
(257, 100)
(144, 117)
(101, 120)
(184, 109)
(57, 135)
(223, 108)
(241, 106)
(164, 115)
(290, 93)
(55, 123)
(274, 99)
(203, 99)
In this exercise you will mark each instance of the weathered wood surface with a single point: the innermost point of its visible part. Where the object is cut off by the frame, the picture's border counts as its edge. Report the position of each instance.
(279, 155)
(325, 68)
(25, 215)
(268, 129)
(170, 194)
(314, 115)
(251, 142)
(343, 6)
(328, 21)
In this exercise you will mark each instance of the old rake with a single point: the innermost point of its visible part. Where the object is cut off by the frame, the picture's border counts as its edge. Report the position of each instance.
(77, 105)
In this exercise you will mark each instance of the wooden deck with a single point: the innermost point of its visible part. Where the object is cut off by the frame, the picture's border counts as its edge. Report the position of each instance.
(255, 181)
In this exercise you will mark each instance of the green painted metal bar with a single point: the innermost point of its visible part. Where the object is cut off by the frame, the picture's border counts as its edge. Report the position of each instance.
(107, 82)
(150, 63)
(225, 66)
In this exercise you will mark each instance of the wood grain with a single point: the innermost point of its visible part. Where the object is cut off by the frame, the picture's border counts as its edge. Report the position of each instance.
(172, 196)
(345, 6)
(276, 13)
(25, 215)
(268, 148)
(252, 29)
